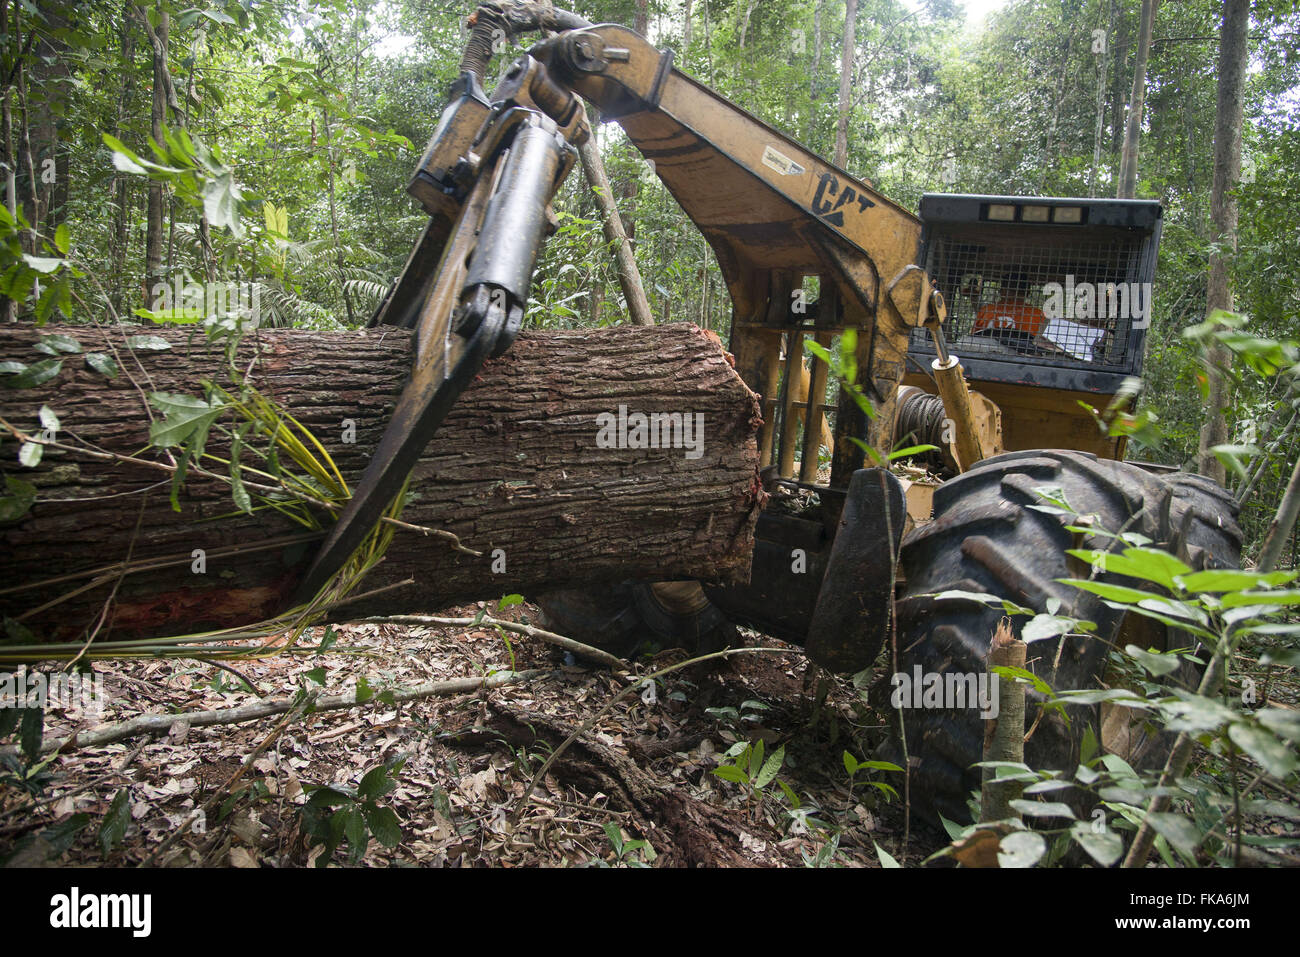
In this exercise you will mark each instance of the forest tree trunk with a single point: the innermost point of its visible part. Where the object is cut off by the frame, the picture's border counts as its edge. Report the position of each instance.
(1223, 213)
(629, 275)
(154, 274)
(846, 84)
(519, 471)
(1133, 132)
(120, 186)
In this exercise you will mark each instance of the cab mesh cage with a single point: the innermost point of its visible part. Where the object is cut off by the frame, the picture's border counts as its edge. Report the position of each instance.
(1034, 301)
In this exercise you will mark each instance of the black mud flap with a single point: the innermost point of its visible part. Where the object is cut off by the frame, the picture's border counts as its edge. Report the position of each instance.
(851, 619)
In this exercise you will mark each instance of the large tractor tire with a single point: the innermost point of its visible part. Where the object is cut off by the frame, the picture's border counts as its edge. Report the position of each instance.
(637, 617)
(986, 538)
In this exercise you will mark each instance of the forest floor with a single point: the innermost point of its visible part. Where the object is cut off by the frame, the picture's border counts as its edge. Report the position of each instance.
(644, 767)
(644, 771)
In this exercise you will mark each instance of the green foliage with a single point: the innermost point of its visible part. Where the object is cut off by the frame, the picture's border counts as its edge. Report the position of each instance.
(852, 766)
(1220, 608)
(113, 828)
(24, 770)
(628, 853)
(335, 815)
(753, 772)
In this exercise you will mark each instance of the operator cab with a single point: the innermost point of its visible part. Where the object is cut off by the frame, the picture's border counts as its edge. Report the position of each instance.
(1049, 302)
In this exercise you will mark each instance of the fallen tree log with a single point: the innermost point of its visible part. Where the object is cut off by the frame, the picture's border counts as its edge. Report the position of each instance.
(527, 471)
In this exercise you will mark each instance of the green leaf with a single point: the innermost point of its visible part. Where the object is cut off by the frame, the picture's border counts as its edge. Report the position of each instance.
(31, 731)
(9, 367)
(329, 796)
(1119, 768)
(43, 264)
(48, 419)
(1148, 564)
(955, 831)
(729, 772)
(1281, 596)
(1270, 808)
(770, 767)
(316, 675)
(62, 240)
(221, 202)
(1120, 593)
(124, 160)
(981, 598)
(1195, 713)
(19, 500)
(615, 837)
(820, 351)
(879, 766)
(1046, 627)
(1285, 724)
(237, 490)
(756, 757)
(1290, 657)
(185, 415)
(35, 374)
(61, 343)
(1023, 675)
(1178, 830)
(176, 316)
(102, 363)
(1231, 456)
(127, 161)
(885, 858)
(850, 764)
(1021, 849)
(148, 343)
(1274, 756)
(364, 691)
(509, 601)
(328, 639)
(1089, 747)
(1114, 794)
(1157, 664)
(1044, 787)
(55, 295)
(384, 825)
(1121, 696)
(1104, 847)
(1180, 623)
(1007, 765)
(354, 829)
(376, 783)
(911, 450)
(1043, 808)
(1232, 579)
(30, 454)
(113, 828)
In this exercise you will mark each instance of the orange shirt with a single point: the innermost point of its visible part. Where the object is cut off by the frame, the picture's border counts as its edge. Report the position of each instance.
(1010, 314)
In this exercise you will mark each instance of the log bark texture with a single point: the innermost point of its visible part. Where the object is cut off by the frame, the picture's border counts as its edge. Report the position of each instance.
(516, 466)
